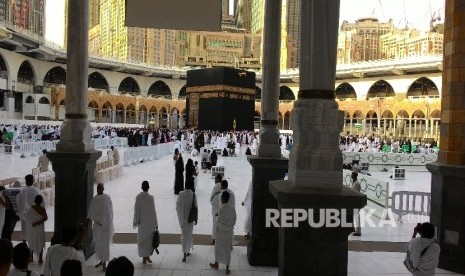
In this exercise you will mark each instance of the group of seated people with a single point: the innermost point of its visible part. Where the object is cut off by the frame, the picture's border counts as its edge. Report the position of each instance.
(66, 258)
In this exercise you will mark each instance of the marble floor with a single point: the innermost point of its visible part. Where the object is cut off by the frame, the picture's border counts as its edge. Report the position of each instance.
(168, 263)
(238, 172)
(160, 174)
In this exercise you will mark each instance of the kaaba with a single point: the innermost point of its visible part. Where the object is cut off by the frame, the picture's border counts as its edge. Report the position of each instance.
(218, 97)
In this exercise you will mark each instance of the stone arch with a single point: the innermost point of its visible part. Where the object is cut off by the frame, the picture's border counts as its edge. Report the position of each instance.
(287, 120)
(286, 94)
(163, 115)
(160, 89)
(387, 114)
(92, 108)
(119, 113)
(418, 114)
(4, 69)
(402, 114)
(258, 93)
(153, 114)
(26, 73)
(30, 99)
(107, 109)
(174, 122)
(44, 100)
(419, 123)
(422, 87)
(345, 91)
(129, 85)
(97, 81)
(93, 104)
(130, 114)
(371, 119)
(280, 120)
(56, 75)
(380, 89)
(182, 93)
(357, 115)
(143, 115)
(436, 114)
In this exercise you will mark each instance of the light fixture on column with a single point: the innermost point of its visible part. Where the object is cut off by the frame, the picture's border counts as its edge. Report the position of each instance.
(152, 123)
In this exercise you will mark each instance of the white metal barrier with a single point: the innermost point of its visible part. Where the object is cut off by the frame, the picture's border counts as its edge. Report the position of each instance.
(133, 156)
(408, 202)
(102, 143)
(34, 148)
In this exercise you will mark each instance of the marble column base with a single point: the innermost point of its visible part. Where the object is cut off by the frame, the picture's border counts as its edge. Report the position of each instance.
(75, 136)
(269, 142)
(305, 250)
(448, 214)
(262, 249)
(74, 188)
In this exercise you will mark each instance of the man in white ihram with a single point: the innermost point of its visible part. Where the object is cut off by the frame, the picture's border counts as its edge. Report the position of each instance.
(101, 213)
(145, 218)
(215, 202)
(183, 207)
(224, 233)
(25, 199)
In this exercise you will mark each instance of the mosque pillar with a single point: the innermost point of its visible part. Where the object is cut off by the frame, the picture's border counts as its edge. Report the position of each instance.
(268, 165)
(394, 128)
(350, 127)
(315, 170)
(100, 114)
(448, 174)
(415, 119)
(384, 127)
(124, 116)
(75, 157)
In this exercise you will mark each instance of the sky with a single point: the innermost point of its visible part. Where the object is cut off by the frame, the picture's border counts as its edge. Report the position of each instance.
(411, 13)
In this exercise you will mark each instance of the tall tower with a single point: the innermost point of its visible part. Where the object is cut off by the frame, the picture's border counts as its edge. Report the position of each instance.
(111, 39)
(94, 13)
(293, 32)
(243, 14)
(258, 15)
(224, 9)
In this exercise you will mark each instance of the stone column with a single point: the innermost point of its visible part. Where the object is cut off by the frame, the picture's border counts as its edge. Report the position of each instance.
(268, 164)
(100, 114)
(351, 123)
(315, 161)
(448, 174)
(10, 105)
(269, 133)
(74, 159)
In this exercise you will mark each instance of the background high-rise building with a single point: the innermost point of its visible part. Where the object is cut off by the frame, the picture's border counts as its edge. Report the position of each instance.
(410, 43)
(243, 14)
(94, 13)
(360, 41)
(110, 38)
(293, 32)
(215, 49)
(4, 10)
(27, 15)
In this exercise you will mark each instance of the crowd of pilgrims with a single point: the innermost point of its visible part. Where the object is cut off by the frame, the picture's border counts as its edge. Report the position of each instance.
(351, 143)
(32, 215)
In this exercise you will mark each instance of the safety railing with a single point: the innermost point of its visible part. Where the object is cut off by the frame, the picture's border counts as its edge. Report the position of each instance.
(34, 148)
(136, 155)
(103, 143)
(400, 159)
(410, 202)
